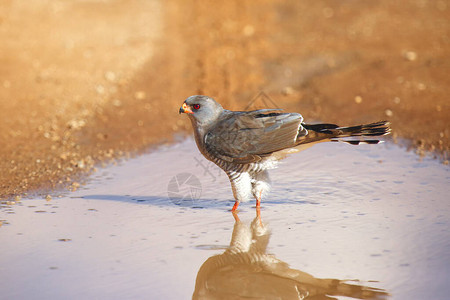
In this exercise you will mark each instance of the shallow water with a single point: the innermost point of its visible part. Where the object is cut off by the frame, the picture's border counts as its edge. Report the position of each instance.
(375, 216)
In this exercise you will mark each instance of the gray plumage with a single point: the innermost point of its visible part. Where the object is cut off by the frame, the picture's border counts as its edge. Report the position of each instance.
(245, 144)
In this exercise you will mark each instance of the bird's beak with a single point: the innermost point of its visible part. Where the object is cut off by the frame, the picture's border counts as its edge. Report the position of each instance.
(185, 109)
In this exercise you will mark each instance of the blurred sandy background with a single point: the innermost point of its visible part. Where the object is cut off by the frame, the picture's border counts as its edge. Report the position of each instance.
(84, 82)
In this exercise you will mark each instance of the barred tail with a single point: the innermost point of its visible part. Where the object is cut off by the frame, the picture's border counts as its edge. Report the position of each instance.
(334, 133)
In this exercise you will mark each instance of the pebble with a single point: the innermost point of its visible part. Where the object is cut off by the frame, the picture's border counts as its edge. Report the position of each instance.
(389, 112)
(410, 55)
(100, 89)
(358, 99)
(248, 30)
(76, 124)
(80, 164)
(288, 90)
(421, 86)
(110, 76)
(117, 103)
(75, 186)
(140, 95)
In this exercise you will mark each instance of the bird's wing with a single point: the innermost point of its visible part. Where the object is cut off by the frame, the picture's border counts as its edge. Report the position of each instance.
(245, 137)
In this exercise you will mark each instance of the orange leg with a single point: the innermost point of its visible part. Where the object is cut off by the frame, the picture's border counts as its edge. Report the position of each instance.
(258, 208)
(235, 206)
(258, 200)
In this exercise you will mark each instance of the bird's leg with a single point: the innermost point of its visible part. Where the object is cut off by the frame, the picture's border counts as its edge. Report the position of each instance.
(240, 183)
(235, 206)
(260, 185)
(258, 200)
(258, 208)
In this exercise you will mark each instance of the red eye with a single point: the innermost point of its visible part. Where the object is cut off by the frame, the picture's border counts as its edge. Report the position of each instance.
(196, 106)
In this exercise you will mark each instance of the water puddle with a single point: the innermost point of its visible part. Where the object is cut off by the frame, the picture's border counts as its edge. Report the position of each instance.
(348, 222)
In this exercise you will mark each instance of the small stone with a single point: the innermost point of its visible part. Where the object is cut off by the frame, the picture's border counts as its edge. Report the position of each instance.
(117, 103)
(396, 100)
(358, 99)
(80, 164)
(48, 198)
(140, 95)
(75, 186)
(389, 112)
(110, 76)
(288, 90)
(76, 124)
(100, 89)
(410, 55)
(248, 30)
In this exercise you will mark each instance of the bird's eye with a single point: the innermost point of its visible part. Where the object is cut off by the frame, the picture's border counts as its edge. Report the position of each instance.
(196, 106)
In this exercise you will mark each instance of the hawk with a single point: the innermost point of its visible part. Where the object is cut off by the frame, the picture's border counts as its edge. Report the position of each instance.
(246, 144)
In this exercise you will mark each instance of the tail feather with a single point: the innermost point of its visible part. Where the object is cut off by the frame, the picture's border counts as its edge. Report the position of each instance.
(335, 133)
(372, 129)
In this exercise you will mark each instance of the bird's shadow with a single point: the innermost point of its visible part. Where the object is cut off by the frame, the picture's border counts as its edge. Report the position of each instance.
(162, 201)
(186, 202)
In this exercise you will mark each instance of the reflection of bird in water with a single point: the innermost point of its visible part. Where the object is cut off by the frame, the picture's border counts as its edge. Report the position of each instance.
(246, 271)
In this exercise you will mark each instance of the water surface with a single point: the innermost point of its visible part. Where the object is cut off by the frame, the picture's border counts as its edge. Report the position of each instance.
(372, 218)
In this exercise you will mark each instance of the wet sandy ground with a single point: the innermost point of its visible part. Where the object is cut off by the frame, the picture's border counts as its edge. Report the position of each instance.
(375, 216)
(84, 82)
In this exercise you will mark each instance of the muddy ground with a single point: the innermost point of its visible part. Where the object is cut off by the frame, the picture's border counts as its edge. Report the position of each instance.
(86, 82)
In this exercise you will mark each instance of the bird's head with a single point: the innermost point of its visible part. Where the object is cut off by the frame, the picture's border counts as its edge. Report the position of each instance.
(202, 110)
